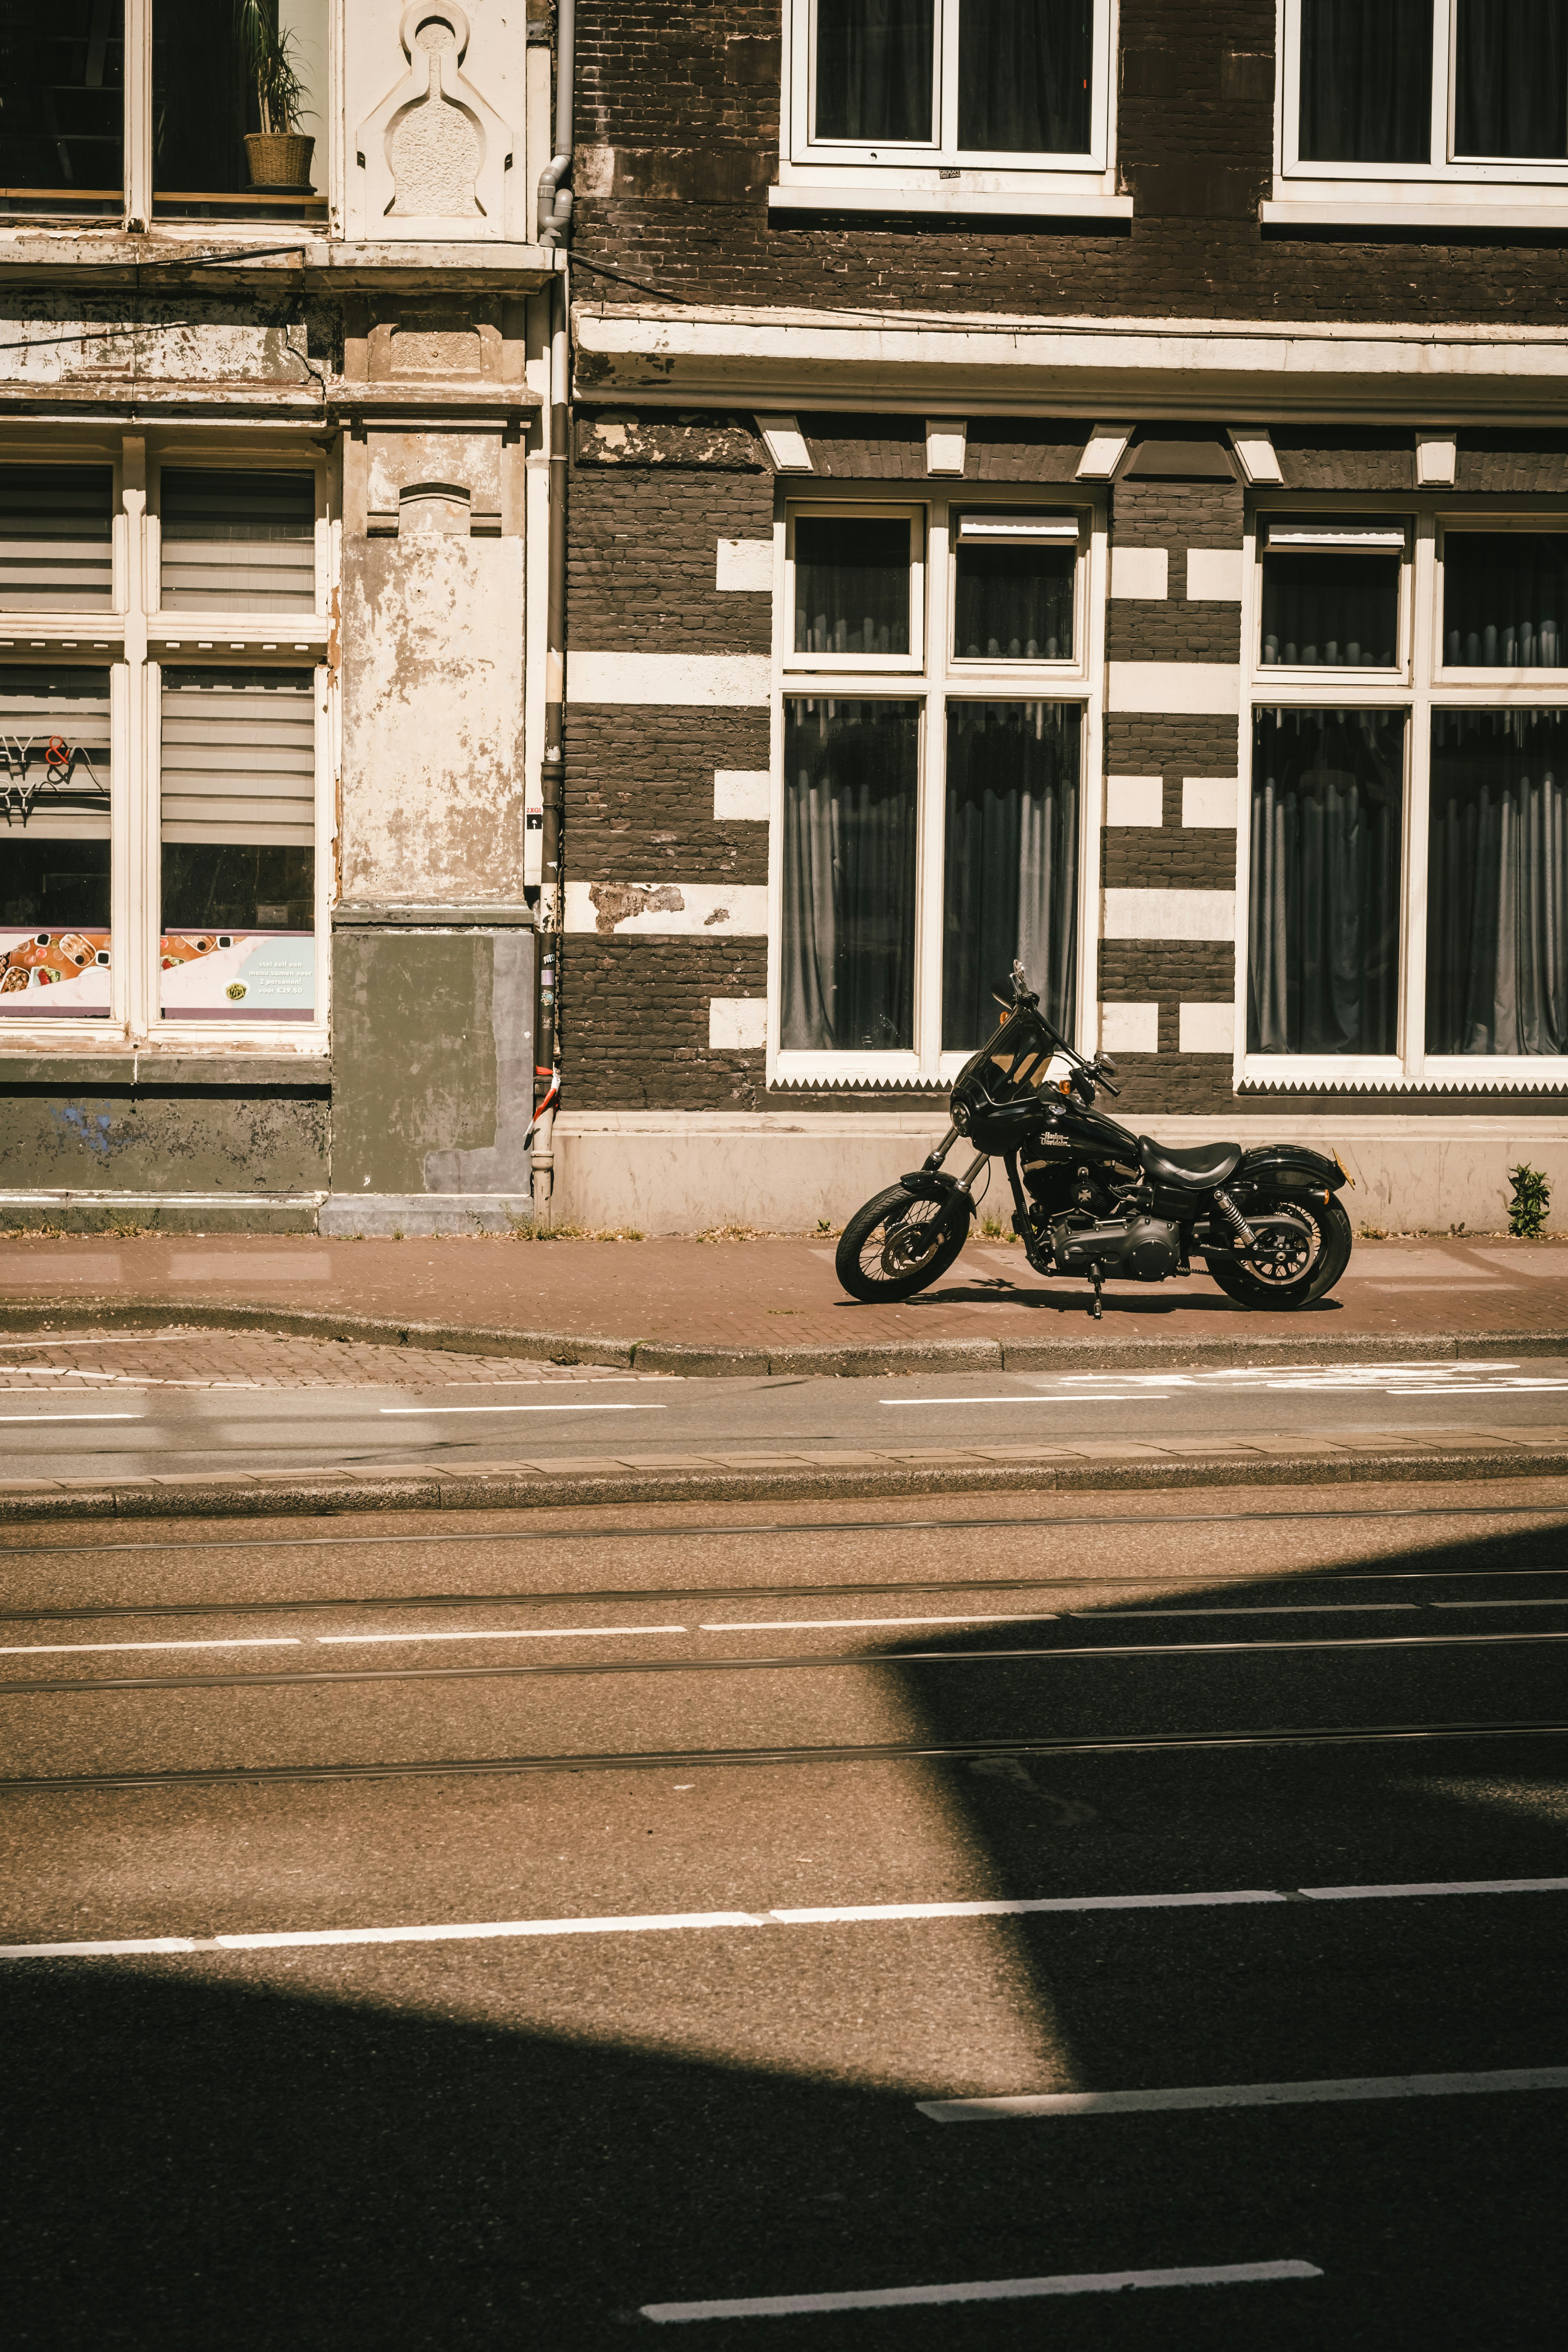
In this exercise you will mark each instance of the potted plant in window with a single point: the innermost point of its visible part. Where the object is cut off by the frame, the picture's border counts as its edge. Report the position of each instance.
(279, 153)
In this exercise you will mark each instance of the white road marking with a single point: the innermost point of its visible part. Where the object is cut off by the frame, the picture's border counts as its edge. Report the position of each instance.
(74, 1649)
(1493, 1388)
(816, 1625)
(835, 1915)
(422, 1411)
(71, 1416)
(1100, 1397)
(1243, 2094)
(893, 2298)
(1263, 1609)
(1553, 1601)
(502, 1634)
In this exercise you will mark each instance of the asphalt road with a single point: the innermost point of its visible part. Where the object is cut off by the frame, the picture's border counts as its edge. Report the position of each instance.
(517, 1933)
(84, 1424)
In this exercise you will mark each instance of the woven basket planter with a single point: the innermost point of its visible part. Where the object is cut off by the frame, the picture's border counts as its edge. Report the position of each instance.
(278, 159)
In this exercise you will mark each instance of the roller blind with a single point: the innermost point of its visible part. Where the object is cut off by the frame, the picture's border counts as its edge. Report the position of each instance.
(55, 532)
(54, 754)
(239, 756)
(237, 542)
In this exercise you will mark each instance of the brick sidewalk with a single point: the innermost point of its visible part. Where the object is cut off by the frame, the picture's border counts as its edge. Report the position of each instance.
(766, 1298)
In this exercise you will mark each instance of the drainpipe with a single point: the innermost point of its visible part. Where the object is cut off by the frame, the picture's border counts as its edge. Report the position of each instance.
(555, 224)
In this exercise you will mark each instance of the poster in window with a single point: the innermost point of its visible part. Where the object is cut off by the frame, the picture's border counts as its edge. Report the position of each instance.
(249, 975)
(54, 842)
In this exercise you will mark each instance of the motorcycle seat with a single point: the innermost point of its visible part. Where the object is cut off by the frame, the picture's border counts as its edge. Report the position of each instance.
(1196, 1171)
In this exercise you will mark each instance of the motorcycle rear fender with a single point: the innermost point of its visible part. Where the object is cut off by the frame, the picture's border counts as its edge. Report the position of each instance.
(1289, 1167)
(931, 1184)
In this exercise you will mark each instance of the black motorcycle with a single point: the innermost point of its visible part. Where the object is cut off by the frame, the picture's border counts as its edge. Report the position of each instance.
(1092, 1200)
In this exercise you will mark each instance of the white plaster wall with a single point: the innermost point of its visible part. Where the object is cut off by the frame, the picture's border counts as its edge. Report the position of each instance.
(667, 1175)
(432, 770)
(375, 63)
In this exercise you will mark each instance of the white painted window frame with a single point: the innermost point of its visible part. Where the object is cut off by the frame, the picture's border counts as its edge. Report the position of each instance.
(943, 678)
(872, 511)
(1421, 686)
(938, 174)
(134, 639)
(1392, 192)
(137, 192)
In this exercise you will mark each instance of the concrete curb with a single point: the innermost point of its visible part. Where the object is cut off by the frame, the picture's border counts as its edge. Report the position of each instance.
(293, 1495)
(100, 1314)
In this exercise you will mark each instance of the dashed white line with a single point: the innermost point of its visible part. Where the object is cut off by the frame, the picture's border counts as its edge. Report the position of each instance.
(833, 1915)
(894, 2298)
(75, 1649)
(1243, 2094)
(30, 1417)
(425, 1411)
(501, 1633)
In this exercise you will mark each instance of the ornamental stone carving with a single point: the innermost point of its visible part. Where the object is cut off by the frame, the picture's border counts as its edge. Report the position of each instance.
(434, 154)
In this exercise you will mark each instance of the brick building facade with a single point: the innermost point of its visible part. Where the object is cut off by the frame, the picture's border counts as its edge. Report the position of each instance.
(1198, 303)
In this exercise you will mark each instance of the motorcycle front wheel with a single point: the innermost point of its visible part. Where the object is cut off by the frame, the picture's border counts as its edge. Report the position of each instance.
(896, 1245)
(1297, 1273)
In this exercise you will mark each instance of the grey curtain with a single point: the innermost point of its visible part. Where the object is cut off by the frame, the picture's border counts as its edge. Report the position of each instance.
(1330, 608)
(851, 772)
(1024, 75)
(874, 69)
(1497, 884)
(1366, 81)
(1323, 910)
(1505, 599)
(1014, 602)
(1011, 870)
(1511, 78)
(851, 585)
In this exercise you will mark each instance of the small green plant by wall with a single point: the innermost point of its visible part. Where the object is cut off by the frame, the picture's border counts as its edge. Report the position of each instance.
(1532, 1198)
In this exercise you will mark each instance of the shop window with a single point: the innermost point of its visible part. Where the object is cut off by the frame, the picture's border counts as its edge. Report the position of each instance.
(1015, 577)
(238, 826)
(851, 775)
(1406, 872)
(55, 808)
(1327, 791)
(57, 538)
(1010, 862)
(1497, 884)
(62, 105)
(1330, 594)
(233, 542)
(932, 824)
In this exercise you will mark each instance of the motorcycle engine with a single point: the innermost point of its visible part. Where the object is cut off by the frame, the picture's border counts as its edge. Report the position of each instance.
(1146, 1249)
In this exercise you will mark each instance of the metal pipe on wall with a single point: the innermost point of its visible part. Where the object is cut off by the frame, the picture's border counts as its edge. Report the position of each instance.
(555, 224)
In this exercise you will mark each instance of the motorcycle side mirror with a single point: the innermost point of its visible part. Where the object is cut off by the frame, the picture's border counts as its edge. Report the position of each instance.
(1108, 1066)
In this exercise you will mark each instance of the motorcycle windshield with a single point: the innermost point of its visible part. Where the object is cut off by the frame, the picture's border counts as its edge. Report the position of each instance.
(1016, 1061)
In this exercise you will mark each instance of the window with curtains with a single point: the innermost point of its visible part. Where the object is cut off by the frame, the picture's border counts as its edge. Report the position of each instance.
(939, 670)
(159, 816)
(1474, 91)
(1405, 865)
(952, 83)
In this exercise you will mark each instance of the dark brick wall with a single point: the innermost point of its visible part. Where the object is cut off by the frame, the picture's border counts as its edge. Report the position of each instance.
(690, 101)
(1177, 515)
(635, 1024)
(641, 550)
(1166, 972)
(1528, 461)
(1167, 856)
(1165, 1085)
(1317, 458)
(639, 794)
(1154, 744)
(1171, 631)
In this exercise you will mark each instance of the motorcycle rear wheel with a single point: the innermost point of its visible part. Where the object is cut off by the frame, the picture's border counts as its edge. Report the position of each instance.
(1329, 1243)
(896, 1244)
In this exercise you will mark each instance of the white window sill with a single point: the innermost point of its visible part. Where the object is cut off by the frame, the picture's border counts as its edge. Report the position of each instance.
(1446, 207)
(1457, 1074)
(893, 1069)
(972, 192)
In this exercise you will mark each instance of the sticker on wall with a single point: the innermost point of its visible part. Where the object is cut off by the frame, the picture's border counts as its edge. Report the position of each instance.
(238, 975)
(54, 974)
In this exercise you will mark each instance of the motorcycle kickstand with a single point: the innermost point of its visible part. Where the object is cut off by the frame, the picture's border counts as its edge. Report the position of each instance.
(1099, 1281)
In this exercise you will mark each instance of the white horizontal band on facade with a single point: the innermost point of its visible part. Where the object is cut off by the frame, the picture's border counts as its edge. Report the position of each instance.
(1214, 575)
(1168, 915)
(1207, 1028)
(1134, 800)
(744, 566)
(671, 909)
(743, 792)
(737, 1024)
(1209, 800)
(981, 197)
(714, 681)
(1140, 572)
(1182, 689)
(1130, 1028)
